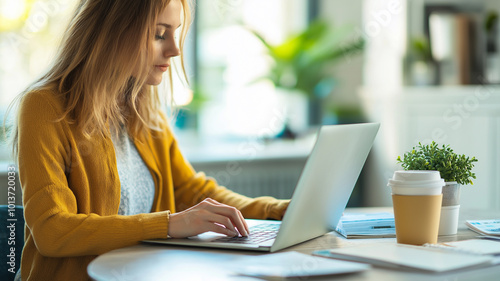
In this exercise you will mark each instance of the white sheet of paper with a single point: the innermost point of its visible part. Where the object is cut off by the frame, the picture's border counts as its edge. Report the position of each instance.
(480, 246)
(293, 264)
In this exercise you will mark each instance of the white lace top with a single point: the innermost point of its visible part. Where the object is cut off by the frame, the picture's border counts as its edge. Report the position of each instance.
(137, 185)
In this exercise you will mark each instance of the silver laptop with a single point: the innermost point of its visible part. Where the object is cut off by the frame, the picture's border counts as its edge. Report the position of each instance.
(319, 199)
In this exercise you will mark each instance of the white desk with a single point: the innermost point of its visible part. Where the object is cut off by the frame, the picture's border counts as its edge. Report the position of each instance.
(158, 262)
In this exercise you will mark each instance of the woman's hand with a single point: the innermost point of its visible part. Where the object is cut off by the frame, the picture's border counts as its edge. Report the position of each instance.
(208, 215)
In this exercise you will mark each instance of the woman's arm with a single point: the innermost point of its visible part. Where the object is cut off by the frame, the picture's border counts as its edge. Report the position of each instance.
(191, 188)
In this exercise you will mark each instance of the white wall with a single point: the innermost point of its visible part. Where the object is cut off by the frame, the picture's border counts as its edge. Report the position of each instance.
(465, 117)
(349, 71)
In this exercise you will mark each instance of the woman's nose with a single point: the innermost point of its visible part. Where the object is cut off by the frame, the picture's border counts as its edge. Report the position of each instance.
(171, 50)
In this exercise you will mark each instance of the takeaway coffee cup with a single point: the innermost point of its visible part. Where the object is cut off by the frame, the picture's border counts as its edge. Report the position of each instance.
(416, 197)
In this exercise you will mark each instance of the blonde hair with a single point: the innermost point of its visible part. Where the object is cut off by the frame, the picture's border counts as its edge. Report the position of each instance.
(98, 68)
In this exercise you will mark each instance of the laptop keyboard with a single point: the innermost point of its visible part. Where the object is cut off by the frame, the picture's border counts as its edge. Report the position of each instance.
(258, 233)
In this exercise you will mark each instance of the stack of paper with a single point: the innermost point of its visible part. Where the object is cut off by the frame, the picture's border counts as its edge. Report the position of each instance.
(367, 225)
(486, 227)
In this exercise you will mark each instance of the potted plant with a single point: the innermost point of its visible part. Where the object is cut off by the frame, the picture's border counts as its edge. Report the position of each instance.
(456, 170)
(303, 62)
(422, 68)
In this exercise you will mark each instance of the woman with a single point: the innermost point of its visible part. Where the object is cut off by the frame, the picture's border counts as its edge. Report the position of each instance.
(99, 166)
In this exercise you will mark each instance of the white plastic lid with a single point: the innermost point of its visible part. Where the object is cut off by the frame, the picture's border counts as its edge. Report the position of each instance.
(416, 178)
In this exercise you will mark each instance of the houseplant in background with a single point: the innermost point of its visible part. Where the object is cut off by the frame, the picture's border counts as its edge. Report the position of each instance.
(456, 170)
(303, 62)
(422, 68)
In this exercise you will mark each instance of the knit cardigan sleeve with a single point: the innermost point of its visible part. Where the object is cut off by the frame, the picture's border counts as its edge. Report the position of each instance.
(192, 187)
(55, 211)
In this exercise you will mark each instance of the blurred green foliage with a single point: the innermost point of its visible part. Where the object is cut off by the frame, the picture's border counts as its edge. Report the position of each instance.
(420, 49)
(304, 60)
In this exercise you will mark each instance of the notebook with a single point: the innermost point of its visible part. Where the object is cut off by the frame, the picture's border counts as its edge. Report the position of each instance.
(320, 197)
(432, 259)
(367, 225)
(485, 227)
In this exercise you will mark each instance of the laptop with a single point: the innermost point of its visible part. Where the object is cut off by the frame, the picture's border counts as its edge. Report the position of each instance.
(318, 201)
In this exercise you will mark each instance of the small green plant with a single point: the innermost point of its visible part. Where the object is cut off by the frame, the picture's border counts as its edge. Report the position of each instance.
(451, 166)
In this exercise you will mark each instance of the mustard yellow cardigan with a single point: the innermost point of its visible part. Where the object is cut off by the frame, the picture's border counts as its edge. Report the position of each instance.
(71, 192)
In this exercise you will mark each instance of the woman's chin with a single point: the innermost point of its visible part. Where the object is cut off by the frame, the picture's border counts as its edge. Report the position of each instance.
(154, 81)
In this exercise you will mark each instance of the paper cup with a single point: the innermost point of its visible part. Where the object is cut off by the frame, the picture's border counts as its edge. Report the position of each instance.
(416, 197)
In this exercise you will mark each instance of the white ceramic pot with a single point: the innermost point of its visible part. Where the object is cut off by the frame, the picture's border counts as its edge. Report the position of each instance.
(450, 208)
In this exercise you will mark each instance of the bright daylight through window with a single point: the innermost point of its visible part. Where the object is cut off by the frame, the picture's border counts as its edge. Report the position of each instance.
(224, 61)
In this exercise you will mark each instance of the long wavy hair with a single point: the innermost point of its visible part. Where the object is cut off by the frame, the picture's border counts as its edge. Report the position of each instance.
(99, 69)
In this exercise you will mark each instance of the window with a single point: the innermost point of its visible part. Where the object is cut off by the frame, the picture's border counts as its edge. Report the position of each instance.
(229, 59)
(224, 58)
(28, 40)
